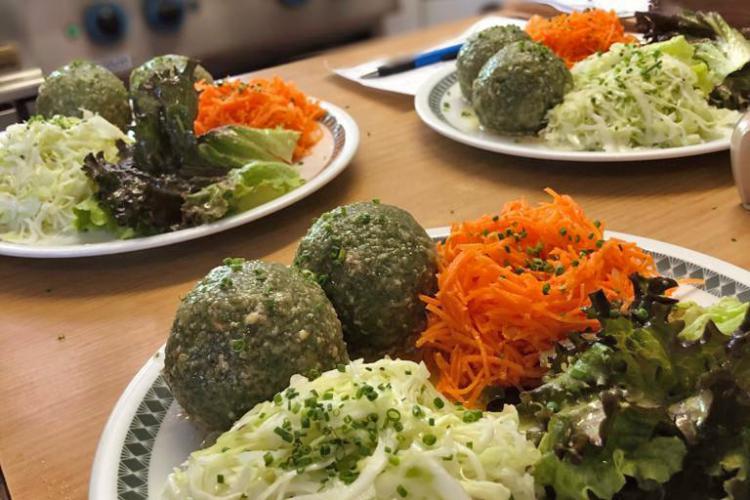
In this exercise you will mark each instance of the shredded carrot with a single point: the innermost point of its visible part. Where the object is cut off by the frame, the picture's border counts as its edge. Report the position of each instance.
(513, 285)
(576, 36)
(259, 103)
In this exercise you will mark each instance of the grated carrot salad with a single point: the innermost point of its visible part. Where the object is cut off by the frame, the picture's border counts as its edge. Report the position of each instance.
(576, 36)
(259, 103)
(512, 285)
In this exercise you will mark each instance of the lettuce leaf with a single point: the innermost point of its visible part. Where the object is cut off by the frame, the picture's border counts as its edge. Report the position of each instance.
(728, 50)
(90, 216)
(244, 188)
(148, 203)
(644, 414)
(625, 445)
(727, 314)
(725, 50)
(234, 146)
(164, 109)
(653, 461)
(575, 481)
(718, 464)
(734, 91)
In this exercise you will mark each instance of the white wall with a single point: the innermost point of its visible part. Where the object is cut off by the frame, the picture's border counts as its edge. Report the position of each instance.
(415, 14)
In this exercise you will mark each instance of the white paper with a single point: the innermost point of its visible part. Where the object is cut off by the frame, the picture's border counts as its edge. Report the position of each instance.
(623, 8)
(409, 81)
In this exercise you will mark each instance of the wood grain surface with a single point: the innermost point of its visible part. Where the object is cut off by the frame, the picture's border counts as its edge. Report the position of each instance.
(74, 332)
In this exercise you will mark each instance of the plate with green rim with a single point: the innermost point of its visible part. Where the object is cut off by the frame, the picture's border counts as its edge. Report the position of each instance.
(326, 160)
(440, 104)
(147, 434)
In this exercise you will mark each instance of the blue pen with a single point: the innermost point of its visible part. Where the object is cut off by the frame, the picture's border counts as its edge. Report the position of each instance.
(417, 61)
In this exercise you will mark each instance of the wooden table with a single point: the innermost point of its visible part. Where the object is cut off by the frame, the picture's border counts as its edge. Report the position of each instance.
(74, 332)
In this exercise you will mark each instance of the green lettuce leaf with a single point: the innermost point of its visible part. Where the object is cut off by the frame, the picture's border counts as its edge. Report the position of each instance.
(728, 51)
(679, 48)
(724, 49)
(234, 146)
(580, 458)
(643, 413)
(575, 481)
(654, 461)
(727, 314)
(243, 188)
(90, 216)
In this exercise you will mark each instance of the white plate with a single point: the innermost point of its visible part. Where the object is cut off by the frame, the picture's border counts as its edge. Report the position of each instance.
(442, 88)
(326, 160)
(146, 435)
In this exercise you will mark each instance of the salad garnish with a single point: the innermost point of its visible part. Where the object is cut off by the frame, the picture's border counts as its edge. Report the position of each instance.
(364, 430)
(639, 412)
(575, 36)
(41, 180)
(260, 103)
(513, 285)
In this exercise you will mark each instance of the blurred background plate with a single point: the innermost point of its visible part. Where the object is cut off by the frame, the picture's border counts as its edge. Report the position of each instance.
(326, 160)
(623, 8)
(441, 106)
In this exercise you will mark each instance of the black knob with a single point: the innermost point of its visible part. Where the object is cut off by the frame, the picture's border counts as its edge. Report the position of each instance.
(164, 15)
(105, 22)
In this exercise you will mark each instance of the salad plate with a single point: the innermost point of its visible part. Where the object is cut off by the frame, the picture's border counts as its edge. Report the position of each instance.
(441, 106)
(147, 434)
(325, 161)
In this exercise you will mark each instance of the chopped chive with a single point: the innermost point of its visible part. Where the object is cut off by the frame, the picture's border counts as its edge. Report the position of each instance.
(472, 416)
(284, 434)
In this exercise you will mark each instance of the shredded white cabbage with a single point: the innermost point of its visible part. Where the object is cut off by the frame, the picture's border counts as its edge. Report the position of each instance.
(639, 97)
(40, 173)
(364, 431)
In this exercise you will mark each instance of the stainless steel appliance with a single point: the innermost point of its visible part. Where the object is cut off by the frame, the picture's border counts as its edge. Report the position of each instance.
(228, 36)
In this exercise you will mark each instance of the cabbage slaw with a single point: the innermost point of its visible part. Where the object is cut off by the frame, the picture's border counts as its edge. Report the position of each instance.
(377, 430)
(639, 97)
(41, 179)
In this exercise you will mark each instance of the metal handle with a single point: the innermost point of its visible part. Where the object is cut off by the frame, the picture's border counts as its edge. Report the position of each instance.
(741, 159)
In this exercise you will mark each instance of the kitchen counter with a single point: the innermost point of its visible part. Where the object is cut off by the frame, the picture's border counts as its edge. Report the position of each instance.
(74, 332)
